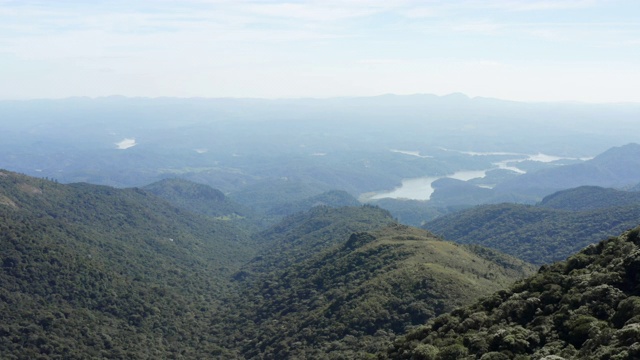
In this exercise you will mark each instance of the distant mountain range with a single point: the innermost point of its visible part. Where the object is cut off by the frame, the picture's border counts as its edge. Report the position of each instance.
(344, 144)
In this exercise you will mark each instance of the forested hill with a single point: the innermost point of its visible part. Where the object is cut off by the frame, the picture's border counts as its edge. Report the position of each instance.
(586, 307)
(198, 198)
(347, 300)
(303, 235)
(95, 272)
(585, 198)
(536, 234)
(332, 198)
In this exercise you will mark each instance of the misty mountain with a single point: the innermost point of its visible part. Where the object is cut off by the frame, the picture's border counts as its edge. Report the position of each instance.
(616, 167)
(197, 198)
(334, 198)
(589, 198)
(340, 143)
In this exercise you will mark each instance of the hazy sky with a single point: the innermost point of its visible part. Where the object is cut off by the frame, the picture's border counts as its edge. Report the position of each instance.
(583, 50)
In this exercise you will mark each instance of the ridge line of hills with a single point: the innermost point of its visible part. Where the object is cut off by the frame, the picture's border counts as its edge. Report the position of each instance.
(94, 271)
(561, 224)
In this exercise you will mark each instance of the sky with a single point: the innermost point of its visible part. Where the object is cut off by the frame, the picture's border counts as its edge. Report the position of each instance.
(533, 50)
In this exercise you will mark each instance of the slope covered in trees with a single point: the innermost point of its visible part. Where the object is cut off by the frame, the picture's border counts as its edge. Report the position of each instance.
(96, 272)
(590, 198)
(92, 271)
(587, 307)
(302, 235)
(535, 234)
(349, 299)
(205, 200)
(197, 198)
(333, 198)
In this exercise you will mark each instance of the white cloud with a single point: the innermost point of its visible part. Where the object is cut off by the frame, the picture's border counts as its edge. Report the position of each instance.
(535, 5)
(311, 12)
(126, 143)
(305, 48)
(421, 12)
(482, 27)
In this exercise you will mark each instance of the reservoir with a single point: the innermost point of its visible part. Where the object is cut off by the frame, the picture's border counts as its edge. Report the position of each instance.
(421, 189)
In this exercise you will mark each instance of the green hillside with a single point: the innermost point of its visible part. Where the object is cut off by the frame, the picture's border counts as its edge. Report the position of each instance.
(586, 307)
(95, 272)
(349, 299)
(590, 198)
(413, 212)
(302, 235)
(198, 198)
(266, 195)
(205, 200)
(333, 198)
(535, 234)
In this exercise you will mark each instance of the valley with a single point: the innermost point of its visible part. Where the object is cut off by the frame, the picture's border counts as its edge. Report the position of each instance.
(241, 235)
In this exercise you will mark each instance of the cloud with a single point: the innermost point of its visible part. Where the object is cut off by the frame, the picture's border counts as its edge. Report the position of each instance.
(299, 47)
(536, 5)
(482, 27)
(381, 62)
(420, 12)
(311, 11)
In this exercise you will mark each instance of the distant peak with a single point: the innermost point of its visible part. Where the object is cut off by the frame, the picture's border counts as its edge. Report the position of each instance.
(456, 96)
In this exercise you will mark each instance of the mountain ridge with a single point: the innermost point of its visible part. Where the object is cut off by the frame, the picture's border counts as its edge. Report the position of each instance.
(533, 233)
(583, 308)
(350, 299)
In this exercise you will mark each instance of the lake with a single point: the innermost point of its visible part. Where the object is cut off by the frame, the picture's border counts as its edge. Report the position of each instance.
(421, 189)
